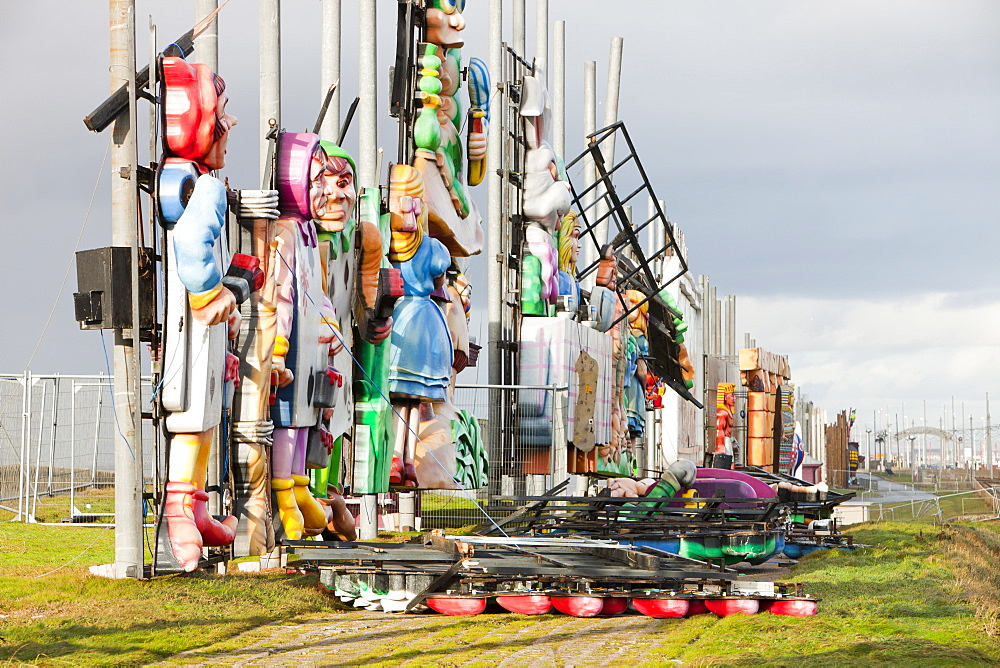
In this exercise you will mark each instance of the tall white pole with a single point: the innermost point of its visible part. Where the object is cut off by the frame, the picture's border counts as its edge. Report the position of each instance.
(206, 45)
(989, 440)
(330, 68)
(610, 117)
(124, 221)
(651, 235)
(559, 89)
(589, 126)
(494, 182)
(368, 175)
(269, 15)
(368, 85)
(519, 31)
(542, 34)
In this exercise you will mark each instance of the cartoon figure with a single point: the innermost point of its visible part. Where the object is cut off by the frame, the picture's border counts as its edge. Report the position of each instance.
(724, 417)
(569, 251)
(201, 313)
(546, 201)
(637, 372)
(452, 216)
(336, 237)
(421, 352)
(304, 337)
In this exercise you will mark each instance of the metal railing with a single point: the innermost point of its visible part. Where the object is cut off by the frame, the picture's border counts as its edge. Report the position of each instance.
(57, 439)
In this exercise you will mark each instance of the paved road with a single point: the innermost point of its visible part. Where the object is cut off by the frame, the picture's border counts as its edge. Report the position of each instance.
(886, 491)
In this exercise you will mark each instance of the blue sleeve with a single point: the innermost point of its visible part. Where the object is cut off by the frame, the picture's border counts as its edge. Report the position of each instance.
(440, 257)
(195, 235)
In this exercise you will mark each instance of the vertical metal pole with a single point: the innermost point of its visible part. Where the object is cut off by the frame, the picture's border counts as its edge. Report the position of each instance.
(542, 34)
(124, 220)
(368, 175)
(206, 45)
(732, 326)
(22, 487)
(368, 84)
(589, 177)
(651, 246)
(495, 183)
(610, 117)
(38, 451)
(519, 31)
(52, 434)
(989, 440)
(716, 326)
(330, 67)
(559, 89)
(495, 180)
(269, 17)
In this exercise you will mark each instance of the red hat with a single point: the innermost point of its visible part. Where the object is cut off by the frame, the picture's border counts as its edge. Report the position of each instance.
(189, 107)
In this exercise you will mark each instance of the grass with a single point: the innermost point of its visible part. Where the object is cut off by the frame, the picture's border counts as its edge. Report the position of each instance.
(923, 595)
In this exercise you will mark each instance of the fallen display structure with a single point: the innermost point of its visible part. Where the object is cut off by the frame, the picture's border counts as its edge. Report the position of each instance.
(582, 577)
(723, 515)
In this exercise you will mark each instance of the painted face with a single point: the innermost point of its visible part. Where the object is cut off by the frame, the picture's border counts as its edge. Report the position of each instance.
(216, 156)
(575, 245)
(341, 194)
(317, 183)
(445, 23)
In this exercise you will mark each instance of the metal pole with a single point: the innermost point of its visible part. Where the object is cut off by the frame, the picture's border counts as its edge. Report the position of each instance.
(542, 34)
(206, 45)
(97, 428)
(52, 435)
(519, 31)
(269, 16)
(22, 487)
(651, 230)
(559, 89)
(330, 67)
(989, 440)
(495, 181)
(368, 175)
(610, 117)
(124, 219)
(589, 177)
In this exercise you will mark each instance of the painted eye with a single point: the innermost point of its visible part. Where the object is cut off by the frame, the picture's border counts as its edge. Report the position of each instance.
(448, 6)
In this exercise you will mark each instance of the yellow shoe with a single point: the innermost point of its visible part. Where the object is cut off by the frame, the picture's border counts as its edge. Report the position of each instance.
(314, 516)
(288, 510)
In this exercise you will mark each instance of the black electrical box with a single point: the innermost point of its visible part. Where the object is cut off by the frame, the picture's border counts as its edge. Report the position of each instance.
(104, 281)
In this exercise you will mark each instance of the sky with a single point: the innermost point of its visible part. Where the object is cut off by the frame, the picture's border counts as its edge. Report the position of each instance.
(833, 165)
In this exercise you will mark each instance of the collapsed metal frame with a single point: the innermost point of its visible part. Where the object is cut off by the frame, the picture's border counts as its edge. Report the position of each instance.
(641, 276)
(635, 264)
(470, 566)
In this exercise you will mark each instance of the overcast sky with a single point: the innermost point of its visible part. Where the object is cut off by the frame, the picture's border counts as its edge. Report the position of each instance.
(834, 165)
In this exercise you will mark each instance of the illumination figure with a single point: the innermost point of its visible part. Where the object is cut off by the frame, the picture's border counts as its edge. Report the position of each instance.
(420, 360)
(200, 310)
(304, 337)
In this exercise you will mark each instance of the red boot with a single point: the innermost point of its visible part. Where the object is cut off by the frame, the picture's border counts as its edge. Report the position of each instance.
(396, 472)
(213, 532)
(185, 539)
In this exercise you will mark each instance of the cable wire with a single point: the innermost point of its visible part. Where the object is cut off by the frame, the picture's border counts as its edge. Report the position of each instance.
(69, 267)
